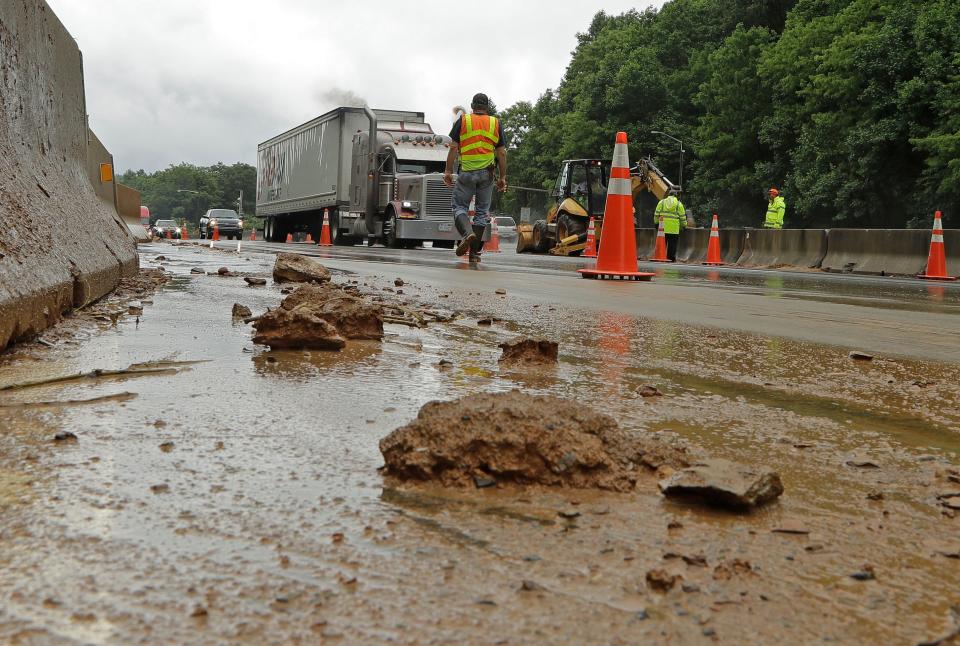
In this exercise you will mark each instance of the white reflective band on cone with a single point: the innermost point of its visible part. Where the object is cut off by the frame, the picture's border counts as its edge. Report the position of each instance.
(937, 238)
(621, 159)
(714, 234)
(619, 186)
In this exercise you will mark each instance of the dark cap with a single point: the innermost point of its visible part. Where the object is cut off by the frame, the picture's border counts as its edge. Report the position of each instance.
(481, 101)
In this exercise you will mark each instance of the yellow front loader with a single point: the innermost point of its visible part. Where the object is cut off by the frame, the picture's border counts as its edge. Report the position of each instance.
(581, 192)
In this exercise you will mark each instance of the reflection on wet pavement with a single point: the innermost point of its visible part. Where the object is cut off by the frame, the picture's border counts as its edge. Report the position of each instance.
(238, 499)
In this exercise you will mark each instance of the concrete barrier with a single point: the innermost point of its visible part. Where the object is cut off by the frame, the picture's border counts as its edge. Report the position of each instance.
(783, 248)
(62, 243)
(882, 252)
(128, 206)
(646, 243)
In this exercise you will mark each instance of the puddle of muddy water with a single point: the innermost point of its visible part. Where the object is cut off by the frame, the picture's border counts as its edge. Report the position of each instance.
(246, 486)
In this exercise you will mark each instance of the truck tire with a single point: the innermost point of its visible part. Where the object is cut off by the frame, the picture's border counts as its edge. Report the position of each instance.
(390, 240)
(541, 237)
(340, 239)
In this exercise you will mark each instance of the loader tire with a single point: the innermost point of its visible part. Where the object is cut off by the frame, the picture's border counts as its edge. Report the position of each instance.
(541, 237)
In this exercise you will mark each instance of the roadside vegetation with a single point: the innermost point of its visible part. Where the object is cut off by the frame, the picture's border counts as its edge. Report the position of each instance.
(185, 192)
(850, 107)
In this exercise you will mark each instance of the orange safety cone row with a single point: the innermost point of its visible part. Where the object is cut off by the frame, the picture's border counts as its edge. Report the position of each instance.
(326, 239)
(937, 259)
(713, 247)
(617, 257)
(216, 232)
(493, 244)
(660, 249)
(590, 251)
(289, 238)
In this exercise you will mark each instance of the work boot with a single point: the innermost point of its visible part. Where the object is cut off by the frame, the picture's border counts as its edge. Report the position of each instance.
(476, 248)
(463, 226)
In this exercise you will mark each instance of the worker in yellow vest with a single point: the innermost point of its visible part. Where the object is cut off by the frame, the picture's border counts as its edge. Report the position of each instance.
(776, 209)
(478, 138)
(670, 211)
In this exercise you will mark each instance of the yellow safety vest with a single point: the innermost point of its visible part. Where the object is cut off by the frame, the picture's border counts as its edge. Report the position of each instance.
(670, 210)
(776, 209)
(479, 136)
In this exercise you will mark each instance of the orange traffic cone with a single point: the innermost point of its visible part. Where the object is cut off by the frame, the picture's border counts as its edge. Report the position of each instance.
(937, 260)
(216, 232)
(289, 238)
(325, 238)
(618, 254)
(309, 239)
(590, 251)
(660, 250)
(253, 234)
(169, 234)
(713, 247)
(493, 244)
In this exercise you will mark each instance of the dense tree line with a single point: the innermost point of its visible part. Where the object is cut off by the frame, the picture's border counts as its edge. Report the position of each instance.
(185, 191)
(850, 107)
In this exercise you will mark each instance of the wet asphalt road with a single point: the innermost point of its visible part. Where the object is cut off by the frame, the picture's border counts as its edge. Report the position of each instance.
(897, 316)
(235, 497)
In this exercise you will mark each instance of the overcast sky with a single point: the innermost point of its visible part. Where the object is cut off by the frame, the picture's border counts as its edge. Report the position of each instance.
(204, 81)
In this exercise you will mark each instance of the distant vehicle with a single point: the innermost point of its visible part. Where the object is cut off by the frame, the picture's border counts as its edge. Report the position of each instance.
(378, 173)
(506, 226)
(161, 227)
(145, 216)
(228, 223)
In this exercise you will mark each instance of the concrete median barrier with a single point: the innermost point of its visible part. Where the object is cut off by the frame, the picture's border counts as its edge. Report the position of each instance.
(62, 243)
(646, 242)
(880, 252)
(128, 206)
(783, 248)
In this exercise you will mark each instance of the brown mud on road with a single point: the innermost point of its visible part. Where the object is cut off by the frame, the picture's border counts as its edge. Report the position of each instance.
(236, 497)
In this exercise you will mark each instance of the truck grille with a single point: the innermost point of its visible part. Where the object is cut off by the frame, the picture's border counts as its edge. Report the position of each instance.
(437, 200)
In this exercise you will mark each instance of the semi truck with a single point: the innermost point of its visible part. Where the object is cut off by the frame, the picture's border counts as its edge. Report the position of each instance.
(391, 192)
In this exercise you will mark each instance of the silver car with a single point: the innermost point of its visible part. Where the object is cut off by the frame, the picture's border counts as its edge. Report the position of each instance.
(506, 226)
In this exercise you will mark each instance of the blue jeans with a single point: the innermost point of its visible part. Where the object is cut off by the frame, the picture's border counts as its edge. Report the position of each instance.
(476, 184)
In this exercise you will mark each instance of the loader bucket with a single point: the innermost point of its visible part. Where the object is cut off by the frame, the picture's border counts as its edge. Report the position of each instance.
(524, 237)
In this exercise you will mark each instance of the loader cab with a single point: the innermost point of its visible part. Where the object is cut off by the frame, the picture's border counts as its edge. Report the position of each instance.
(585, 181)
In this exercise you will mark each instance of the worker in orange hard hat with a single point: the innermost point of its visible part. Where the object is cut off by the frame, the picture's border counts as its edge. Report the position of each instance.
(776, 209)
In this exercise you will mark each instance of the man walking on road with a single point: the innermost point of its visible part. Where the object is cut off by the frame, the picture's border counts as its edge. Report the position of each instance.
(670, 211)
(478, 138)
(776, 209)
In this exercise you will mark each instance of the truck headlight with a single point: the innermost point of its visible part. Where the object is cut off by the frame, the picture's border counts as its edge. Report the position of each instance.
(240, 223)
(212, 223)
(411, 206)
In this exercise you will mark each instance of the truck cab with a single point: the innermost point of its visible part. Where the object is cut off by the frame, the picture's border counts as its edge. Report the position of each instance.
(413, 203)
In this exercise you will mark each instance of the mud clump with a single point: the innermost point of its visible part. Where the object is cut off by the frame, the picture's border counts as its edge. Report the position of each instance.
(319, 317)
(722, 483)
(518, 438)
(527, 351)
(294, 268)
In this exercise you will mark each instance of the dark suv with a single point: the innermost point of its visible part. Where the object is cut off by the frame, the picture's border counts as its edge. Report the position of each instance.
(227, 222)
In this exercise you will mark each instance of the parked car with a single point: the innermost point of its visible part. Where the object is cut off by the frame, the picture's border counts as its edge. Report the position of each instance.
(161, 227)
(506, 226)
(226, 221)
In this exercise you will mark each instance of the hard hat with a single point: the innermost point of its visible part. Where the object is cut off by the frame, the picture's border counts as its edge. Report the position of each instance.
(774, 192)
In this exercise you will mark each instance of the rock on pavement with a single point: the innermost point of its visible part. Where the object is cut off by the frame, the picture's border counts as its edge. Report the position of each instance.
(294, 268)
(724, 484)
(529, 351)
(524, 439)
(319, 317)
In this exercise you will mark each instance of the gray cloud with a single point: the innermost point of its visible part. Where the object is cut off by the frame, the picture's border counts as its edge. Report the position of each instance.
(207, 81)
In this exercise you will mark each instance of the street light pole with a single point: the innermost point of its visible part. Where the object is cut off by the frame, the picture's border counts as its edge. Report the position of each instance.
(657, 132)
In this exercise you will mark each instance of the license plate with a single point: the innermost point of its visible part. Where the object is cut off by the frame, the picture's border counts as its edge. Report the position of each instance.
(445, 226)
